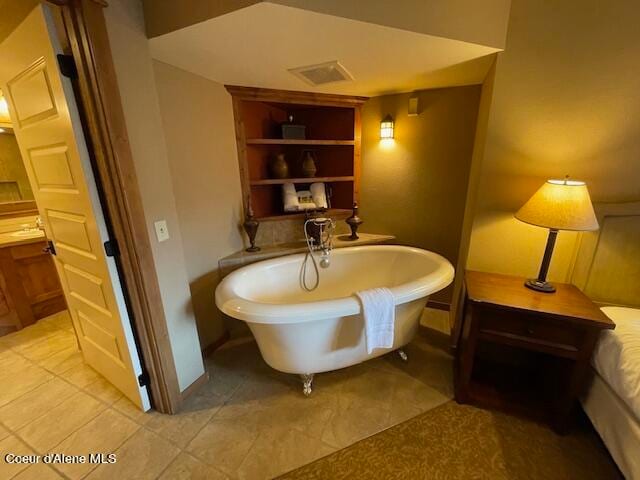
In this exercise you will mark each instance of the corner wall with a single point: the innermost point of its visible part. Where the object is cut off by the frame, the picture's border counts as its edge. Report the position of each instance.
(132, 61)
(200, 137)
(566, 101)
(415, 187)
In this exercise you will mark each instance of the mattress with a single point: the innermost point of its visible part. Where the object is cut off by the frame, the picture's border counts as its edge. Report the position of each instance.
(616, 425)
(617, 356)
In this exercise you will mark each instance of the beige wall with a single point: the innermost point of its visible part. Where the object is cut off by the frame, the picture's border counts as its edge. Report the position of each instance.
(134, 70)
(12, 13)
(415, 188)
(199, 131)
(566, 101)
(11, 167)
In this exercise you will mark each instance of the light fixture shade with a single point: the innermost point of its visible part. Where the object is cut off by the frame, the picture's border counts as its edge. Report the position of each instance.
(560, 205)
(386, 128)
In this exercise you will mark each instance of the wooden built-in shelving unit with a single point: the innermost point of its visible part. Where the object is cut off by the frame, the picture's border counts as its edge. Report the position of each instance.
(333, 132)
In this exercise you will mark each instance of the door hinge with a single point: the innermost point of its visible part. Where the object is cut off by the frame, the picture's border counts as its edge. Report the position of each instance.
(143, 379)
(67, 65)
(50, 248)
(111, 248)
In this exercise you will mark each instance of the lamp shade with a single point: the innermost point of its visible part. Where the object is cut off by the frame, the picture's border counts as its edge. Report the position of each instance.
(560, 205)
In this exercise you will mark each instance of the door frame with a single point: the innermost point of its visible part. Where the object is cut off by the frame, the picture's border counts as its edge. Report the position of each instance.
(104, 122)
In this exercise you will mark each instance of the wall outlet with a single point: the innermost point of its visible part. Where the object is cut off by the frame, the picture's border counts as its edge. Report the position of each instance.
(162, 232)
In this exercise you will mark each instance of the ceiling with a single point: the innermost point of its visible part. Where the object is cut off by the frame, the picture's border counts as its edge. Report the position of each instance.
(257, 45)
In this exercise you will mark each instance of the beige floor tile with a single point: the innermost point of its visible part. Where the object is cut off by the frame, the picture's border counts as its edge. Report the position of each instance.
(50, 429)
(144, 456)
(12, 362)
(254, 397)
(4, 433)
(53, 344)
(126, 407)
(21, 382)
(104, 391)
(62, 361)
(354, 421)
(29, 336)
(37, 327)
(11, 444)
(81, 375)
(403, 412)
(186, 467)
(182, 427)
(38, 472)
(415, 392)
(280, 450)
(35, 403)
(104, 434)
(223, 443)
(60, 320)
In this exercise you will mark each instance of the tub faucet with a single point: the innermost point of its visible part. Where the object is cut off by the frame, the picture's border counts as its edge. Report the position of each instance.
(318, 234)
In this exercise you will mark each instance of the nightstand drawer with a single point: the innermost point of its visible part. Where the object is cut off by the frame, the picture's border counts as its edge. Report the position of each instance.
(540, 334)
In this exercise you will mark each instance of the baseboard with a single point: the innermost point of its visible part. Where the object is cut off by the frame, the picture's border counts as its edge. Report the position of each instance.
(438, 305)
(194, 387)
(215, 345)
(437, 338)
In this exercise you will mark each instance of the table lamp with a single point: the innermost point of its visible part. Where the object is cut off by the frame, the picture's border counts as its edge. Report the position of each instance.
(557, 205)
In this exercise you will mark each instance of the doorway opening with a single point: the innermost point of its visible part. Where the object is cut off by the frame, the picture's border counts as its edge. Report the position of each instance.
(64, 112)
(60, 271)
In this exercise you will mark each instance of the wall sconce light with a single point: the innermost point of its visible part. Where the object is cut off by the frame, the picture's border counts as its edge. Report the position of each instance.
(386, 128)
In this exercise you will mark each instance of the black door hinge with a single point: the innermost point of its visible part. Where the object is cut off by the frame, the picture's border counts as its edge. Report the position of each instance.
(50, 248)
(143, 379)
(111, 248)
(67, 65)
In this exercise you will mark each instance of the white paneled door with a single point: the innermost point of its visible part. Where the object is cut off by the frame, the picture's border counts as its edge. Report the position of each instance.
(48, 129)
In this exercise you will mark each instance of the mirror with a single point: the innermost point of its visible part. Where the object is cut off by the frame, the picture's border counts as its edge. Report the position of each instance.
(14, 183)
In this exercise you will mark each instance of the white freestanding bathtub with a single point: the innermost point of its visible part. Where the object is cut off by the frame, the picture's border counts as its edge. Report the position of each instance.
(311, 332)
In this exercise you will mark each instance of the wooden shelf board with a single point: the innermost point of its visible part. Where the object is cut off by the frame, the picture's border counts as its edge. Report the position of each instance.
(338, 212)
(280, 141)
(281, 181)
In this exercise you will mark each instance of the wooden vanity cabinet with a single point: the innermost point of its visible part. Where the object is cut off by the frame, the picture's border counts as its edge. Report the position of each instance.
(29, 286)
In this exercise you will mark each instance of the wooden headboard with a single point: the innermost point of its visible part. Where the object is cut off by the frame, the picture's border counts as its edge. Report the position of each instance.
(607, 262)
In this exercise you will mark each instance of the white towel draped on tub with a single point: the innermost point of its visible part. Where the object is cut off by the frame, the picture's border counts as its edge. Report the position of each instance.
(379, 311)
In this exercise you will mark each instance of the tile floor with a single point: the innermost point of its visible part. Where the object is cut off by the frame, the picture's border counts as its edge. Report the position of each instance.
(248, 422)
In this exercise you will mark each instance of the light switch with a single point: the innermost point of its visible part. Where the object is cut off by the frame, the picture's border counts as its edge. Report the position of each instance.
(162, 232)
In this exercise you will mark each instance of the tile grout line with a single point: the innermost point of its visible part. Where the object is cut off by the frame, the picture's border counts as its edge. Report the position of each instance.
(22, 440)
(79, 390)
(193, 454)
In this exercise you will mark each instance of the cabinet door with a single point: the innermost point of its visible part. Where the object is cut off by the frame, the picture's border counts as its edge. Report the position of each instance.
(8, 317)
(38, 278)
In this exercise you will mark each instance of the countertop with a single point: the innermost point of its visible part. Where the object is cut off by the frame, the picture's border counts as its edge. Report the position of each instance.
(11, 239)
(241, 258)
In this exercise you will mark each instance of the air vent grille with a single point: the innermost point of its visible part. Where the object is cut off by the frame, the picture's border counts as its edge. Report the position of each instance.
(322, 73)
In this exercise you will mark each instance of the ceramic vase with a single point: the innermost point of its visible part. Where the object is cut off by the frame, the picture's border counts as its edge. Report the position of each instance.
(278, 167)
(308, 164)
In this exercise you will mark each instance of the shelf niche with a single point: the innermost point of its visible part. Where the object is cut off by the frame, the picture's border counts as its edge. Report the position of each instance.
(333, 132)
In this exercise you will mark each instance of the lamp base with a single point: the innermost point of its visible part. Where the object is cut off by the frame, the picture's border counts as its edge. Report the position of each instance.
(538, 286)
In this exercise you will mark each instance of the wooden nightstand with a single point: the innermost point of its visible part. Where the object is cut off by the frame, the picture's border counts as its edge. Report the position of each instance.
(557, 332)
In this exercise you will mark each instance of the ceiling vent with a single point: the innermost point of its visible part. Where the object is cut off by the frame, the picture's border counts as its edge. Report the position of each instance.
(322, 73)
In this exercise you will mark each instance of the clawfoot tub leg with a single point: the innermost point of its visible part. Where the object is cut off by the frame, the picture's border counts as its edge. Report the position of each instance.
(307, 383)
(402, 355)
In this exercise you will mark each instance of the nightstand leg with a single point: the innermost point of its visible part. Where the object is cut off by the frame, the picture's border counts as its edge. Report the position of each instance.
(576, 384)
(467, 354)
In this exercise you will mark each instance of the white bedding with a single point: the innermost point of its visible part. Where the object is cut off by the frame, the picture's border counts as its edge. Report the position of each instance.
(617, 356)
